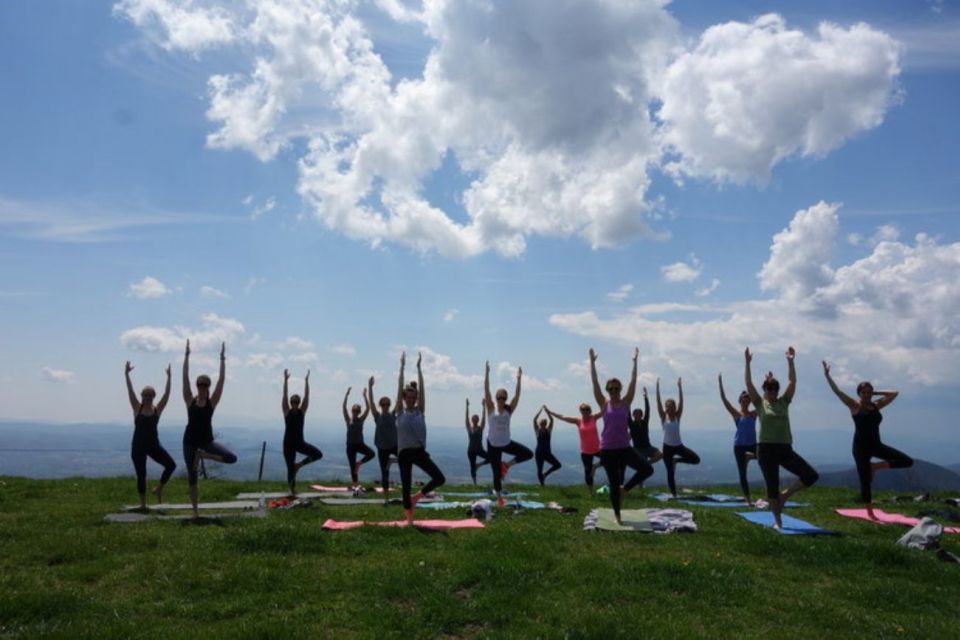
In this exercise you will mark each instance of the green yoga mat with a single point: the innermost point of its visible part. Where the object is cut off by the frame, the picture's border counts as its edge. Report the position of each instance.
(633, 520)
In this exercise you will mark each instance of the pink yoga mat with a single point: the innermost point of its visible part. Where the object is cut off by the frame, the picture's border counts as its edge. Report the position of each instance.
(341, 525)
(882, 517)
(324, 488)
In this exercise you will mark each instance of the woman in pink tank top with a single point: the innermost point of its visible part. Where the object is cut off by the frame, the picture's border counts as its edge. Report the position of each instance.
(589, 440)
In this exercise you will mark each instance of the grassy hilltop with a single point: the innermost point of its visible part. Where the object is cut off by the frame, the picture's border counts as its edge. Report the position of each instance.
(64, 572)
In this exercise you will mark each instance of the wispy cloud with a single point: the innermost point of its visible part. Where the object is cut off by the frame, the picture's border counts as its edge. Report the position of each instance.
(621, 293)
(82, 221)
(212, 292)
(707, 290)
(57, 375)
(450, 315)
(343, 350)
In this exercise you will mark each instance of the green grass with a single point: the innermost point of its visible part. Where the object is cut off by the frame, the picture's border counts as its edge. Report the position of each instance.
(64, 572)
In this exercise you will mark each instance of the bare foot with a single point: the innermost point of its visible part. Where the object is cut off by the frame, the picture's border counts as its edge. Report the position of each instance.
(158, 491)
(409, 514)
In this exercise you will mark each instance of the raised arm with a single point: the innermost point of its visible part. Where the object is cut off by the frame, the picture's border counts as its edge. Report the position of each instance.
(632, 387)
(346, 414)
(131, 394)
(726, 403)
(516, 393)
(886, 397)
(422, 398)
(535, 416)
(218, 390)
(187, 392)
(466, 416)
(748, 377)
(646, 408)
(487, 398)
(166, 394)
(560, 417)
(680, 399)
(285, 403)
(852, 404)
(597, 391)
(483, 417)
(791, 374)
(549, 419)
(305, 403)
(366, 406)
(399, 404)
(373, 405)
(663, 414)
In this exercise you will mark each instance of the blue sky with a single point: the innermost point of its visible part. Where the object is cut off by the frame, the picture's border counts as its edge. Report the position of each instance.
(534, 190)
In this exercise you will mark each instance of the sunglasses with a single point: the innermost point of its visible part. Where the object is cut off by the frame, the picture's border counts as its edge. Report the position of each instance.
(203, 384)
(614, 388)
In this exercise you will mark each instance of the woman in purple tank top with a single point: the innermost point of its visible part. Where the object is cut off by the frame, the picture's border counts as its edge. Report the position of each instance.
(616, 452)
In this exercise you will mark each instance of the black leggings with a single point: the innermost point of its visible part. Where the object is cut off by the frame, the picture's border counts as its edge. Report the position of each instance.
(772, 457)
(383, 459)
(586, 459)
(473, 455)
(740, 452)
(352, 451)
(615, 462)
(671, 457)
(419, 457)
(495, 454)
(156, 452)
(862, 454)
(541, 457)
(290, 451)
(212, 448)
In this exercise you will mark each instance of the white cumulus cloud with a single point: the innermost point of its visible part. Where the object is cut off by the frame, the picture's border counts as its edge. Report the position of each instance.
(620, 293)
(211, 292)
(213, 331)
(682, 271)
(896, 310)
(149, 287)
(752, 94)
(544, 107)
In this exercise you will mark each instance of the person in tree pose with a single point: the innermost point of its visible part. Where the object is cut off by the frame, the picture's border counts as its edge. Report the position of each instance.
(498, 435)
(385, 437)
(198, 442)
(616, 452)
(542, 430)
(294, 412)
(745, 439)
(775, 448)
(589, 440)
(640, 432)
(475, 426)
(355, 444)
(412, 441)
(146, 439)
(866, 436)
(673, 450)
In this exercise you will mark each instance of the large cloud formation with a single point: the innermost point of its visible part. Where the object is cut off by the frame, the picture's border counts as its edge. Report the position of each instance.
(554, 112)
(896, 309)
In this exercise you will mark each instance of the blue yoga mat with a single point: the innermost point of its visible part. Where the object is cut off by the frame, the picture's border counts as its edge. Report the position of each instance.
(791, 526)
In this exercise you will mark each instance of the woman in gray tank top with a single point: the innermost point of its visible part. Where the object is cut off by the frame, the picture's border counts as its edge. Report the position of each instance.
(412, 441)
(498, 431)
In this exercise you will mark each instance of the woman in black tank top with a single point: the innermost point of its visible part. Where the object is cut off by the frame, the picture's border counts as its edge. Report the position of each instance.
(146, 440)
(198, 442)
(866, 436)
(294, 412)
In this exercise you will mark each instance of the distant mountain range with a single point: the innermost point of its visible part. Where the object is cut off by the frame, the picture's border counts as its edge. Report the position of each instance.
(98, 450)
(922, 476)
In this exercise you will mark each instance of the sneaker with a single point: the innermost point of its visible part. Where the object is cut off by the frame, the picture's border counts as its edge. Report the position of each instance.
(500, 502)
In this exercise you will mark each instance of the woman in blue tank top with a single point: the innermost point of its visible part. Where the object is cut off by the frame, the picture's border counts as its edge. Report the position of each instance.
(745, 440)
